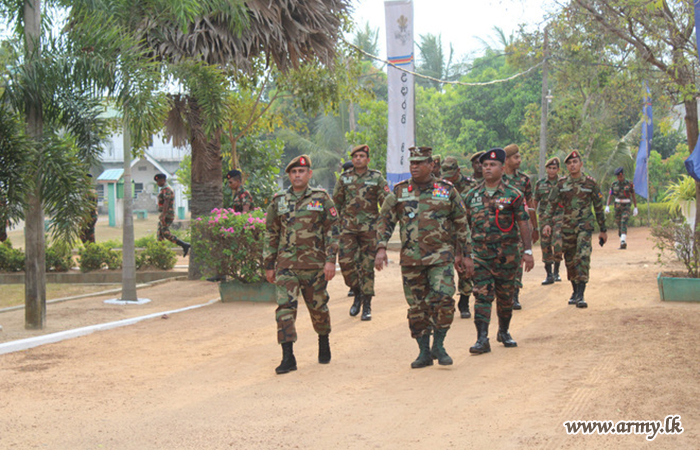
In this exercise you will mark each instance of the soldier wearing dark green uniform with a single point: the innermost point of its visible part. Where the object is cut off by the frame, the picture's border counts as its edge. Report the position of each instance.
(358, 194)
(521, 182)
(572, 199)
(498, 221)
(434, 236)
(301, 245)
(478, 175)
(166, 200)
(551, 245)
(452, 173)
(623, 193)
(242, 200)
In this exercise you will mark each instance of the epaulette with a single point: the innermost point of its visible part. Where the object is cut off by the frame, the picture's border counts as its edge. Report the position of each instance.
(346, 171)
(446, 182)
(375, 171)
(403, 182)
(319, 189)
(279, 194)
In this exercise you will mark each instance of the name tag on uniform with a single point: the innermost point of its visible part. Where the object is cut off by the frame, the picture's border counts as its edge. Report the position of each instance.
(314, 205)
(586, 190)
(371, 183)
(347, 179)
(476, 201)
(564, 189)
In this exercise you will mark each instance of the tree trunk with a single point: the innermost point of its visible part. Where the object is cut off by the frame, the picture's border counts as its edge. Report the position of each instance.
(207, 184)
(128, 250)
(35, 251)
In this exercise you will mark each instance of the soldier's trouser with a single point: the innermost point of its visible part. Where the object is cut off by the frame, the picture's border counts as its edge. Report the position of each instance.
(164, 231)
(622, 216)
(495, 278)
(551, 245)
(87, 233)
(464, 284)
(429, 291)
(312, 284)
(356, 258)
(519, 270)
(577, 254)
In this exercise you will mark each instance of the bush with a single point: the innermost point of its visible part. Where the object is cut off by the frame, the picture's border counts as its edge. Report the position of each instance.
(144, 241)
(676, 238)
(11, 260)
(157, 255)
(658, 211)
(59, 257)
(96, 256)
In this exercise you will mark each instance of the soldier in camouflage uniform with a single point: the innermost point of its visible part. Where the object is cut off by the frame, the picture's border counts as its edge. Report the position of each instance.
(551, 245)
(358, 194)
(498, 219)
(3, 218)
(87, 231)
(301, 245)
(623, 193)
(437, 162)
(571, 199)
(478, 175)
(521, 182)
(166, 199)
(452, 173)
(434, 236)
(242, 200)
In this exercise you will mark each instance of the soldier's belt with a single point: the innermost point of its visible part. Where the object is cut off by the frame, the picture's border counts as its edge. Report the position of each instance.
(623, 200)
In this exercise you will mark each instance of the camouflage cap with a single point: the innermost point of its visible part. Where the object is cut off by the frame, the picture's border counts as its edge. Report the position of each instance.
(420, 153)
(299, 161)
(553, 161)
(360, 148)
(495, 154)
(573, 154)
(475, 156)
(511, 149)
(619, 170)
(450, 167)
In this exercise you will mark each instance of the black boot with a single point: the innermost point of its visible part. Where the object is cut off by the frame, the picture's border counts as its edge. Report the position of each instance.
(556, 271)
(482, 343)
(355, 308)
(366, 307)
(574, 295)
(503, 334)
(550, 275)
(289, 362)
(351, 293)
(463, 306)
(438, 351)
(516, 300)
(185, 246)
(581, 303)
(324, 349)
(424, 359)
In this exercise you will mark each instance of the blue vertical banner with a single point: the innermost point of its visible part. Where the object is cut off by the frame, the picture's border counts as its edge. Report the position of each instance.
(692, 164)
(641, 172)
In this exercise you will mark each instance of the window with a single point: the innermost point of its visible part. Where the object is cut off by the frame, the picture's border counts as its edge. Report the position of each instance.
(138, 188)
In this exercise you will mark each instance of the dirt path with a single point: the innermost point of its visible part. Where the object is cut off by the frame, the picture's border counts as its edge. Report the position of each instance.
(205, 378)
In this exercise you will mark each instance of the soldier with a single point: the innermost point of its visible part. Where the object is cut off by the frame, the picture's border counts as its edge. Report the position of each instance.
(166, 198)
(301, 245)
(498, 218)
(571, 199)
(437, 161)
(3, 218)
(452, 173)
(434, 236)
(521, 182)
(551, 245)
(358, 194)
(87, 231)
(242, 200)
(623, 192)
(346, 166)
(477, 176)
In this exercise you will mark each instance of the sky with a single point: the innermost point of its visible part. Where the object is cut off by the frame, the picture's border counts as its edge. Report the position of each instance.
(459, 22)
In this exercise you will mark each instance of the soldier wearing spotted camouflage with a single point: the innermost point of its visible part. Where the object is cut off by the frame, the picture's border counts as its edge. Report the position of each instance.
(571, 199)
(551, 245)
(358, 194)
(452, 173)
(87, 231)
(623, 192)
(166, 199)
(499, 223)
(434, 236)
(242, 200)
(478, 175)
(301, 245)
(437, 162)
(3, 218)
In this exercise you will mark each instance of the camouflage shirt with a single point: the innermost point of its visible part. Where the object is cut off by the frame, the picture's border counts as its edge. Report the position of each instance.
(622, 191)
(301, 231)
(358, 198)
(521, 182)
(432, 220)
(464, 184)
(572, 198)
(241, 199)
(493, 218)
(543, 188)
(166, 200)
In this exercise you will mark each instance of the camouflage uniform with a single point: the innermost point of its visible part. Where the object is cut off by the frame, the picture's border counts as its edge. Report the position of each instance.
(433, 227)
(301, 236)
(551, 245)
(87, 232)
(241, 199)
(3, 220)
(521, 182)
(622, 192)
(166, 199)
(463, 186)
(358, 198)
(497, 249)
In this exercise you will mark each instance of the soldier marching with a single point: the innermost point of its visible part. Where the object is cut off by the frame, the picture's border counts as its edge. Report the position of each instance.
(622, 191)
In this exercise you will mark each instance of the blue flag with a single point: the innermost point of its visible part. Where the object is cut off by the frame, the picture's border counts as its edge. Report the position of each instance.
(692, 164)
(641, 182)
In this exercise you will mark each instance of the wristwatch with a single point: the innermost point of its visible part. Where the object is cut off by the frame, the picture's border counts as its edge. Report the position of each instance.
(528, 252)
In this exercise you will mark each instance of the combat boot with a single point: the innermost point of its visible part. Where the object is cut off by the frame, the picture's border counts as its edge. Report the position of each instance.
(574, 295)
(424, 359)
(463, 306)
(516, 300)
(623, 242)
(482, 343)
(581, 303)
(355, 308)
(438, 351)
(550, 275)
(289, 362)
(366, 307)
(503, 335)
(185, 246)
(351, 293)
(556, 271)
(324, 349)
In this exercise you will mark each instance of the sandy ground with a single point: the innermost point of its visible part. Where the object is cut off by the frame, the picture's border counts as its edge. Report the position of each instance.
(205, 378)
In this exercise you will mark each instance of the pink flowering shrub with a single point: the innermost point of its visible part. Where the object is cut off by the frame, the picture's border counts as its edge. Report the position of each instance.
(230, 243)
